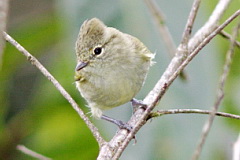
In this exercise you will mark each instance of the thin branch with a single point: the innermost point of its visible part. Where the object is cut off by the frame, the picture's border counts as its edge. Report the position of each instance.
(159, 18)
(210, 25)
(183, 47)
(163, 29)
(236, 149)
(65, 94)
(122, 138)
(31, 153)
(189, 111)
(228, 36)
(220, 95)
(3, 23)
(152, 99)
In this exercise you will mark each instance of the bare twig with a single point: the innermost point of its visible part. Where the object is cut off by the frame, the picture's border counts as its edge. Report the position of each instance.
(159, 18)
(173, 70)
(220, 95)
(115, 147)
(3, 23)
(236, 149)
(65, 94)
(163, 29)
(228, 36)
(183, 47)
(189, 111)
(31, 153)
(209, 26)
(178, 63)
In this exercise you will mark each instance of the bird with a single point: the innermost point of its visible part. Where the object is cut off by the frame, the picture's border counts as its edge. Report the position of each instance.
(111, 67)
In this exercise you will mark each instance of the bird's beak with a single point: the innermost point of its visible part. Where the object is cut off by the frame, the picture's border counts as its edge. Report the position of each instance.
(81, 65)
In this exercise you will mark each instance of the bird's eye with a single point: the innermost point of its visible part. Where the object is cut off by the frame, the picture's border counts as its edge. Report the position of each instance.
(98, 50)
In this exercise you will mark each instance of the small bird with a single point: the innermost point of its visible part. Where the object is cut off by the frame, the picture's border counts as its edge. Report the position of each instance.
(111, 67)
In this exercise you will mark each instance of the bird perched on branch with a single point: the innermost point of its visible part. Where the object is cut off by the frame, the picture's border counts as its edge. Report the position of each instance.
(111, 67)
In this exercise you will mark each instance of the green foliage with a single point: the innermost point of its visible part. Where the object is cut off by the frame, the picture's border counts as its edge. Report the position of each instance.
(33, 112)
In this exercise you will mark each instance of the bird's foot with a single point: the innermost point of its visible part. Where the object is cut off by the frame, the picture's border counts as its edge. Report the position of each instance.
(119, 123)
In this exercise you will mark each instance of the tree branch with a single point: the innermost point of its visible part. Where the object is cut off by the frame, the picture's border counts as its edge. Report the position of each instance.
(31, 153)
(183, 47)
(228, 36)
(189, 111)
(115, 147)
(119, 142)
(210, 25)
(163, 30)
(152, 99)
(65, 94)
(220, 95)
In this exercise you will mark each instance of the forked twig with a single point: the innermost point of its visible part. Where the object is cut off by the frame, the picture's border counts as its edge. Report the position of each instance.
(115, 147)
(140, 116)
(210, 25)
(220, 95)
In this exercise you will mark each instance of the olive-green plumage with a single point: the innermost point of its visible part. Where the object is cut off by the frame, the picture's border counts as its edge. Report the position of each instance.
(112, 66)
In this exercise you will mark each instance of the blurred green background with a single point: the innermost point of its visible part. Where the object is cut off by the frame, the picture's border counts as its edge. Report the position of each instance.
(34, 114)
